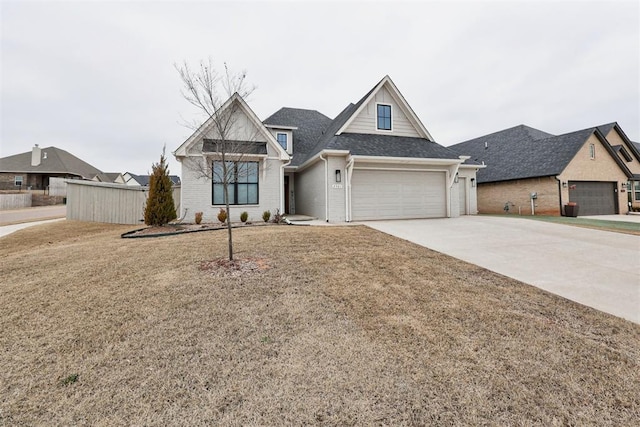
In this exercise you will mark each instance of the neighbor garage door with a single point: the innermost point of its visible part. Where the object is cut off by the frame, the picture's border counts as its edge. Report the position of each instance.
(377, 194)
(593, 198)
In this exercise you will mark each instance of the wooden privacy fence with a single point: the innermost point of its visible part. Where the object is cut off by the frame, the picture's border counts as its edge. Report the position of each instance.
(15, 201)
(57, 186)
(111, 203)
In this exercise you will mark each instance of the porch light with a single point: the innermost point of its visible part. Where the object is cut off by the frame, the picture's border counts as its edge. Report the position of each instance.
(338, 175)
(455, 179)
(473, 182)
(564, 184)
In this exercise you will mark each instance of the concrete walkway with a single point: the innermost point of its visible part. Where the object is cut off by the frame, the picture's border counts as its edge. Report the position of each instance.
(8, 229)
(595, 268)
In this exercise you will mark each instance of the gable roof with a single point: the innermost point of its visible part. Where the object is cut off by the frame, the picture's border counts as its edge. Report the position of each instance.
(199, 133)
(316, 132)
(633, 147)
(143, 180)
(524, 152)
(402, 103)
(52, 160)
(107, 176)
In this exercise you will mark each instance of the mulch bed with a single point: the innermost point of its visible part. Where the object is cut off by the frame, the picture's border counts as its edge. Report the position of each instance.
(236, 267)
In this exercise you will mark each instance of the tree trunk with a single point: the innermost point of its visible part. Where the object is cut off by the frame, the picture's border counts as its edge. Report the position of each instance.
(226, 202)
(229, 229)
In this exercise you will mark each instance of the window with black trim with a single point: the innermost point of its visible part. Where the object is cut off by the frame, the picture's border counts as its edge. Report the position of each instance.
(18, 181)
(384, 117)
(282, 139)
(242, 183)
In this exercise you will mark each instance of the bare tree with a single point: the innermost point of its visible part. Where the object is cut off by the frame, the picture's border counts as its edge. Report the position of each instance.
(216, 96)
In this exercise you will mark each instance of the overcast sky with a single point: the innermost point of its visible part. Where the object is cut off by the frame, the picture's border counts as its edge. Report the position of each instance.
(97, 78)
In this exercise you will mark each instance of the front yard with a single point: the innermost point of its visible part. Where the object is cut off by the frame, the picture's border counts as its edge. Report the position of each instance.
(327, 325)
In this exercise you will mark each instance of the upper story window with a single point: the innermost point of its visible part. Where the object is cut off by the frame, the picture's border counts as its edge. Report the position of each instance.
(282, 139)
(384, 117)
(18, 181)
(592, 151)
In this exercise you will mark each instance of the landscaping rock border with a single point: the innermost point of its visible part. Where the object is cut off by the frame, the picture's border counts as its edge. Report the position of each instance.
(176, 229)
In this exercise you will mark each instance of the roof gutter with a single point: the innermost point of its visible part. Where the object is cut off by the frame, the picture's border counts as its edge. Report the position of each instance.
(348, 169)
(408, 160)
(319, 157)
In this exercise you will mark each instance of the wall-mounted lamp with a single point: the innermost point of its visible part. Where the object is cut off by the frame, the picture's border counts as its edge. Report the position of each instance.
(338, 175)
(455, 179)
(564, 184)
(473, 182)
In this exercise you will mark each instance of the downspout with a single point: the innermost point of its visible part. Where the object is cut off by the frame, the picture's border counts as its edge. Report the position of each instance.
(559, 194)
(326, 187)
(348, 169)
(533, 207)
(453, 174)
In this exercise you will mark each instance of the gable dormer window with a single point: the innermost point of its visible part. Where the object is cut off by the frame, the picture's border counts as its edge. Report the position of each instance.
(384, 116)
(282, 139)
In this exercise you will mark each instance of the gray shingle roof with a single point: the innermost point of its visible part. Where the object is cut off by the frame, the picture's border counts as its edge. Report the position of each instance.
(52, 160)
(389, 146)
(143, 180)
(522, 152)
(317, 132)
(310, 124)
(108, 176)
(605, 129)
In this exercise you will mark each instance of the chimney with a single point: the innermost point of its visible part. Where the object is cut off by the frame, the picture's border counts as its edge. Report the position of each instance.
(35, 156)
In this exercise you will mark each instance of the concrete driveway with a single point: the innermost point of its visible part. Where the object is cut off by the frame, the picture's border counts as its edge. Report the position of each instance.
(596, 268)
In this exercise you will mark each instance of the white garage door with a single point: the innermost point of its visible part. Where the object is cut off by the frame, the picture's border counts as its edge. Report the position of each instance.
(397, 195)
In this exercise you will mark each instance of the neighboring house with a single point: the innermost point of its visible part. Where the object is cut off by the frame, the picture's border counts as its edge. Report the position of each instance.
(375, 160)
(143, 180)
(598, 168)
(110, 177)
(32, 170)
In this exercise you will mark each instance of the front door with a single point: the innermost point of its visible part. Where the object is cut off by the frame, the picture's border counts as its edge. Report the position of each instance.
(287, 196)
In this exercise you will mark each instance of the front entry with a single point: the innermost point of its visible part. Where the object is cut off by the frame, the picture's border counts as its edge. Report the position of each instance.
(287, 195)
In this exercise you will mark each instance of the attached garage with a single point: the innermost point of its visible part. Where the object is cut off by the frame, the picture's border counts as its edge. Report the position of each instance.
(594, 197)
(397, 194)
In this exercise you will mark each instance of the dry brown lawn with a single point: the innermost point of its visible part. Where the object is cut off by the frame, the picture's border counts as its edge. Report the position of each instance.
(326, 326)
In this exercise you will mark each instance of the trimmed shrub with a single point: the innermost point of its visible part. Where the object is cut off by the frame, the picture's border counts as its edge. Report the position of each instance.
(222, 215)
(198, 217)
(266, 215)
(244, 216)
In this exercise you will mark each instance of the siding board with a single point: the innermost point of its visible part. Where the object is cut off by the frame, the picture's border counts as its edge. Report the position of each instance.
(108, 203)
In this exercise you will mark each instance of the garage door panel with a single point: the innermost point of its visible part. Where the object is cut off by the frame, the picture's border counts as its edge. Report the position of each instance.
(593, 197)
(397, 194)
